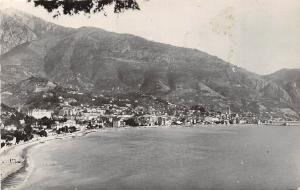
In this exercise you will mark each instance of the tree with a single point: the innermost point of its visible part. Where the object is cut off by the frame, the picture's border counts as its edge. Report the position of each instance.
(199, 108)
(9, 137)
(131, 122)
(28, 130)
(72, 129)
(14, 119)
(71, 7)
(4, 133)
(43, 133)
(19, 136)
(29, 120)
(46, 122)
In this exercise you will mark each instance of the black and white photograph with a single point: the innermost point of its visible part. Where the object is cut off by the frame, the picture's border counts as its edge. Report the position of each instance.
(150, 94)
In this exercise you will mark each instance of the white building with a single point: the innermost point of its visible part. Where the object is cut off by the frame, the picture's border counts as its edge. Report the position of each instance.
(68, 123)
(40, 113)
(10, 128)
(211, 119)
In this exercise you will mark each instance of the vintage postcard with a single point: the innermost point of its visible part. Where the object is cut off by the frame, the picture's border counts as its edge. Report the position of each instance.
(150, 94)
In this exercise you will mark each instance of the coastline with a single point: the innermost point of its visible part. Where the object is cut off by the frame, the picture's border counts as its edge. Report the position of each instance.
(20, 152)
(12, 173)
(14, 158)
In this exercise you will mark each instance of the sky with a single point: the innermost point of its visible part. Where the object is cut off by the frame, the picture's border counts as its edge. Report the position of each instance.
(262, 36)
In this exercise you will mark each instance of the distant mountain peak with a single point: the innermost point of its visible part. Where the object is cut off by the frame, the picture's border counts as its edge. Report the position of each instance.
(20, 16)
(18, 27)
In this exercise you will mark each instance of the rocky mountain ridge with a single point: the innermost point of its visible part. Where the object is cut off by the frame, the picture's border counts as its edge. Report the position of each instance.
(94, 60)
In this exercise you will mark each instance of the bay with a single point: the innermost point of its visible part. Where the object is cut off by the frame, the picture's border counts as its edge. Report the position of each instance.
(252, 157)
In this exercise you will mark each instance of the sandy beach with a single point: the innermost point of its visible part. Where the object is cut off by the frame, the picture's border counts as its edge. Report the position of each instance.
(13, 158)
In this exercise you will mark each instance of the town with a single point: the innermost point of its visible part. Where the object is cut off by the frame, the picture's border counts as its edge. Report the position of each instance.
(70, 116)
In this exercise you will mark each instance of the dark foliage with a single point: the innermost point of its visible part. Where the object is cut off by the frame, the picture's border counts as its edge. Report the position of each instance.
(43, 133)
(7, 135)
(131, 122)
(9, 138)
(198, 108)
(19, 136)
(38, 101)
(10, 116)
(71, 7)
(29, 120)
(28, 129)
(72, 129)
(64, 129)
(46, 122)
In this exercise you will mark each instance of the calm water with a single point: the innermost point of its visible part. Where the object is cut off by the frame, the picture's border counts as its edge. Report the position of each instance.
(173, 158)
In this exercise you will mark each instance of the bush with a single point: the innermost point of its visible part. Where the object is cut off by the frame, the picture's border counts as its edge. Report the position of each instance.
(43, 133)
(46, 121)
(28, 129)
(131, 122)
(72, 129)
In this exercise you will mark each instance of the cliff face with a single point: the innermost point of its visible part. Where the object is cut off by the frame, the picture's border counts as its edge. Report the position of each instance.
(17, 28)
(24, 41)
(13, 32)
(101, 62)
(289, 81)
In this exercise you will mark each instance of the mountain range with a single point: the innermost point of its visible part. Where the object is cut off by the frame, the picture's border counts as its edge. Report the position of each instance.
(100, 62)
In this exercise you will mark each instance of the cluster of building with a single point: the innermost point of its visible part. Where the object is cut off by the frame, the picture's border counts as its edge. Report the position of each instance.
(110, 115)
(69, 117)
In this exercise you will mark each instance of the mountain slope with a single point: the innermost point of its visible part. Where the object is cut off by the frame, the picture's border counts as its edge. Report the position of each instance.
(96, 60)
(102, 62)
(17, 27)
(289, 80)
(24, 41)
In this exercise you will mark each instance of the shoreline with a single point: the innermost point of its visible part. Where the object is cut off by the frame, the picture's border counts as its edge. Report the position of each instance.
(15, 158)
(20, 152)
(23, 166)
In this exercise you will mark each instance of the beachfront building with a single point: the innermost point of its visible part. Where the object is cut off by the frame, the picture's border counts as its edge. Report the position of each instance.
(118, 122)
(242, 121)
(10, 128)
(68, 123)
(211, 120)
(40, 113)
(146, 120)
(164, 120)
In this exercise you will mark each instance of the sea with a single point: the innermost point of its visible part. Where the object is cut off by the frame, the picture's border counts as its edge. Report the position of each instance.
(219, 157)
